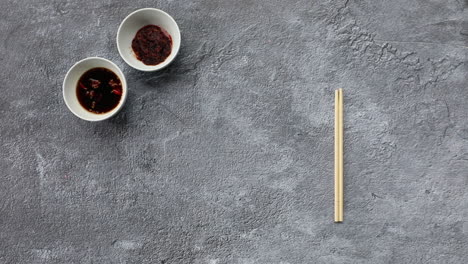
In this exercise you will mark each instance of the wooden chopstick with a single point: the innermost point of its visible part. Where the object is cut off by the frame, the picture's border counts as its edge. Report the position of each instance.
(339, 155)
(337, 159)
(340, 151)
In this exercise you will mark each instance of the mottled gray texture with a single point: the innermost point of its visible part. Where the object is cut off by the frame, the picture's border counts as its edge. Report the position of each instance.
(227, 155)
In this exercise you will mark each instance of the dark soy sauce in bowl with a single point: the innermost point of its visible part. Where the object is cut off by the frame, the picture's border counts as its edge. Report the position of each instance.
(99, 90)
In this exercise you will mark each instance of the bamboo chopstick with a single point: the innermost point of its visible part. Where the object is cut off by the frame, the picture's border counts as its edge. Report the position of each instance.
(339, 155)
(337, 165)
(340, 151)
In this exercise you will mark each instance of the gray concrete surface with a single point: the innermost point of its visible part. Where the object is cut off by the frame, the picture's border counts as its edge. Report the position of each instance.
(227, 155)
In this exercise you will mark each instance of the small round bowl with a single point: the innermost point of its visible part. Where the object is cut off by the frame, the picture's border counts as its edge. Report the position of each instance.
(134, 22)
(71, 80)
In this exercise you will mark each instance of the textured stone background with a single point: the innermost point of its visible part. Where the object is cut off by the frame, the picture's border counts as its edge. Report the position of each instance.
(227, 155)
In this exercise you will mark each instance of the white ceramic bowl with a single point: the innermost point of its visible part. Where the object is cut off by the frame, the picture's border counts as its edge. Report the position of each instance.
(134, 22)
(71, 80)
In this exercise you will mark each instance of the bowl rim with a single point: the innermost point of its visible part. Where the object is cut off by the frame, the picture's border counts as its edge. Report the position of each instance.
(115, 110)
(153, 67)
